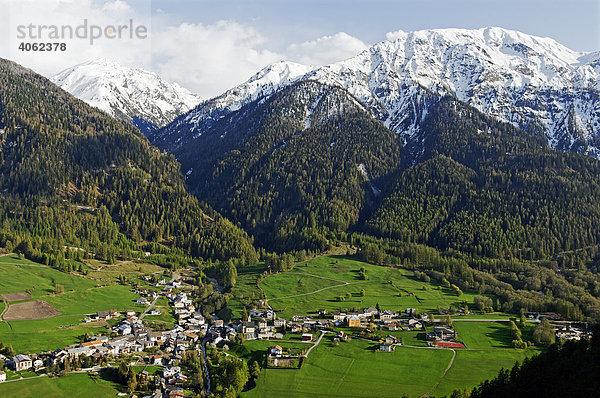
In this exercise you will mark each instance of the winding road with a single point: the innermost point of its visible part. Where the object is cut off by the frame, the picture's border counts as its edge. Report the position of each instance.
(175, 276)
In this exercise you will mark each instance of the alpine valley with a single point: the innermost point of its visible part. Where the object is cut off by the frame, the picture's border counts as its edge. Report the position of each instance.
(412, 220)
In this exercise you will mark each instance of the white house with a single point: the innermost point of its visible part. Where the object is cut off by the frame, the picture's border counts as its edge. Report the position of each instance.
(22, 362)
(276, 351)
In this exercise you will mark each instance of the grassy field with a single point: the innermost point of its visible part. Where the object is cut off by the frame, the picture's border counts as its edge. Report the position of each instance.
(81, 296)
(391, 288)
(355, 369)
(255, 350)
(488, 334)
(244, 289)
(73, 385)
(165, 318)
(20, 275)
(129, 270)
(473, 367)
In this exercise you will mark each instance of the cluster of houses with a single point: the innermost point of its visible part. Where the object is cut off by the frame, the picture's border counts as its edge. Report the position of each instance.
(570, 332)
(387, 320)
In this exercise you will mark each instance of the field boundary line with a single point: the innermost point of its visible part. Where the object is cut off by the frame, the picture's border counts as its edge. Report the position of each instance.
(445, 372)
(4, 310)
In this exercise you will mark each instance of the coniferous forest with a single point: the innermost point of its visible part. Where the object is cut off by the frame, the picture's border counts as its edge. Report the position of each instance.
(71, 176)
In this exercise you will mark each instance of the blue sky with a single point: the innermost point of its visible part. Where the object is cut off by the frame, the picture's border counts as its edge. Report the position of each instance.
(574, 23)
(210, 46)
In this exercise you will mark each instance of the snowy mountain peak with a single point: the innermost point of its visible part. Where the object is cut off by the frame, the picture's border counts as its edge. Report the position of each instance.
(535, 83)
(532, 82)
(280, 72)
(126, 93)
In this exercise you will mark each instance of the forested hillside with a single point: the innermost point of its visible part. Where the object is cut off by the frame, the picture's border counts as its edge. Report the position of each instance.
(306, 161)
(487, 188)
(72, 176)
(570, 370)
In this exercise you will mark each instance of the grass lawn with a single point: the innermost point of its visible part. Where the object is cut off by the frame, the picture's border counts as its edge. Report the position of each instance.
(81, 296)
(355, 369)
(165, 318)
(391, 288)
(20, 275)
(244, 289)
(118, 297)
(73, 385)
(45, 334)
(487, 334)
(256, 350)
(473, 367)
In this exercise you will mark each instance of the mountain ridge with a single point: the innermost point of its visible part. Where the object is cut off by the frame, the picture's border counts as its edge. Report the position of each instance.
(535, 83)
(131, 94)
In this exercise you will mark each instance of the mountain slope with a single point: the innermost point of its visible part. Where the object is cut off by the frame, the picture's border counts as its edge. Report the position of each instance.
(534, 83)
(73, 175)
(125, 93)
(309, 157)
(201, 119)
(485, 187)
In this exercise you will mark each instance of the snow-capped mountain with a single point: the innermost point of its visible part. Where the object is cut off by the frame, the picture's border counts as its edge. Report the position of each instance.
(535, 83)
(136, 95)
(260, 86)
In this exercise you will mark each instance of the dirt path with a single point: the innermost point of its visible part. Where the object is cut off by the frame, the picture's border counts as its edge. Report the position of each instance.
(445, 371)
(25, 378)
(316, 291)
(315, 276)
(26, 265)
(4, 310)
(112, 265)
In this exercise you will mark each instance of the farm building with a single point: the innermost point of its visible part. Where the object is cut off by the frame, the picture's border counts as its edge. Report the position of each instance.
(276, 351)
(353, 321)
(441, 333)
(307, 337)
(384, 347)
(22, 362)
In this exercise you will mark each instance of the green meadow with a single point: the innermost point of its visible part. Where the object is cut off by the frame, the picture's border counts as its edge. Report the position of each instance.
(74, 385)
(473, 367)
(81, 296)
(357, 369)
(318, 283)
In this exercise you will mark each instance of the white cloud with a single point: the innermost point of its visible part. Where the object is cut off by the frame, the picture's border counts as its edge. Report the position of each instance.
(326, 49)
(127, 51)
(116, 6)
(397, 34)
(208, 59)
(205, 58)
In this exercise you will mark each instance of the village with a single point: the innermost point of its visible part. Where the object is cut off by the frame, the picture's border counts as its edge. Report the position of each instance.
(132, 338)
